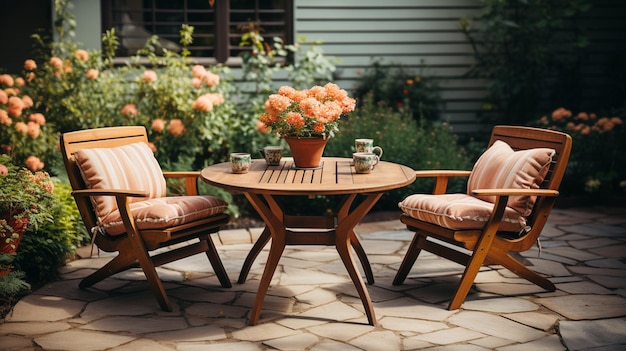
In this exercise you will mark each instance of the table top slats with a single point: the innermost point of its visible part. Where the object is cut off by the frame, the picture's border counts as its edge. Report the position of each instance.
(344, 171)
(334, 176)
(307, 176)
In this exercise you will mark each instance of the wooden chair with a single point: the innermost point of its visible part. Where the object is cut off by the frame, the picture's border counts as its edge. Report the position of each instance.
(120, 192)
(492, 234)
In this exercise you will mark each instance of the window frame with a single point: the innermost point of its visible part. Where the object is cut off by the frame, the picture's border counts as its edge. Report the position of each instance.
(222, 48)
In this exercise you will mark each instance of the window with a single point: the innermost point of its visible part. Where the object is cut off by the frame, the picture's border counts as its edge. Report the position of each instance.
(216, 34)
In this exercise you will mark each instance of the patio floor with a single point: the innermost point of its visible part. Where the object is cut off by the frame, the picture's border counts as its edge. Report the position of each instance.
(312, 304)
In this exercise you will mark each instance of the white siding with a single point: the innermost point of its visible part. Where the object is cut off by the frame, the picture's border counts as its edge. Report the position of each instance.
(426, 36)
(422, 35)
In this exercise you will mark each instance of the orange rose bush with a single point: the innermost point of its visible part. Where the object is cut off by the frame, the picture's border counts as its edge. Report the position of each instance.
(598, 162)
(186, 107)
(25, 134)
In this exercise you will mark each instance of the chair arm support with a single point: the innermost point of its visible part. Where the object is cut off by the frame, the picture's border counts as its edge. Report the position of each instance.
(109, 192)
(121, 198)
(191, 180)
(441, 178)
(515, 192)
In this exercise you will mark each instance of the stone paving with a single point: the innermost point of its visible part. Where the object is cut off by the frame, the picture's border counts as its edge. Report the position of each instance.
(312, 304)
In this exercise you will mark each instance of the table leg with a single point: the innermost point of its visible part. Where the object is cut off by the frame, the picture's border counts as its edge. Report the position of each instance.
(344, 233)
(252, 255)
(342, 213)
(345, 238)
(266, 236)
(270, 214)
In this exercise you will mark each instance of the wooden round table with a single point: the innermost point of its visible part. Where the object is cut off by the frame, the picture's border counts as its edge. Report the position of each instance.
(335, 176)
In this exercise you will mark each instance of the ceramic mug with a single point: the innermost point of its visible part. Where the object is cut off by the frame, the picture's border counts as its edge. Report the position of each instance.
(367, 145)
(272, 154)
(240, 162)
(364, 162)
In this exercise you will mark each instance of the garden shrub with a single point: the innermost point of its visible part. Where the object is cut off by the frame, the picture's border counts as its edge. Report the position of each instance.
(400, 88)
(528, 51)
(44, 250)
(597, 164)
(186, 108)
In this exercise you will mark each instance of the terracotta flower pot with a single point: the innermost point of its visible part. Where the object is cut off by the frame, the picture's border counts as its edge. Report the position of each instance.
(307, 152)
(18, 226)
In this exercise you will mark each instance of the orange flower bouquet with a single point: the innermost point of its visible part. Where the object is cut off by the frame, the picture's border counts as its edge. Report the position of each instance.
(313, 112)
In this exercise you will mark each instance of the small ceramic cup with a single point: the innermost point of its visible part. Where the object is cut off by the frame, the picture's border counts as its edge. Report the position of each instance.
(240, 162)
(364, 162)
(272, 154)
(367, 145)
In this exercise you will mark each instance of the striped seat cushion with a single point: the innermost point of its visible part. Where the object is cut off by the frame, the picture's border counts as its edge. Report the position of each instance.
(165, 212)
(458, 211)
(134, 167)
(500, 167)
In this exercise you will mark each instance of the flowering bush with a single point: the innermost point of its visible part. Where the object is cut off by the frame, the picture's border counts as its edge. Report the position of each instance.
(311, 112)
(185, 107)
(26, 199)
(187, 110)
(400, 88)
(24, 132)
(597, 163)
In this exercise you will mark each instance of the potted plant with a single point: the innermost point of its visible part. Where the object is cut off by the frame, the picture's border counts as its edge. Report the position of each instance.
(26, 201)
(306, 119)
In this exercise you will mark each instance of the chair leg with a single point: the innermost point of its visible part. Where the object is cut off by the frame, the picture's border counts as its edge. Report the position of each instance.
(409, 259)
(128, 258)
(216, 262)
(119, 263)
(145, 262)
(139, 251)
(467, 279)
(522, 271)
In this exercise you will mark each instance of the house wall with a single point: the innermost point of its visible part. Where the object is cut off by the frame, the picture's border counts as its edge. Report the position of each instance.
(423, 36)
(88, 23)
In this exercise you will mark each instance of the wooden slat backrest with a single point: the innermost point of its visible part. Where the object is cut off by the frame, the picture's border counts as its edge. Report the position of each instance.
(523, 138)
(94, 138)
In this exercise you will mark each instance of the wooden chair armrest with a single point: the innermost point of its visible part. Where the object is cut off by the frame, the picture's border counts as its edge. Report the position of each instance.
(441, 178)
(109, 192)
(181, 174)
(191, 180)
(442, 173)
(515, 192)
(121, 198)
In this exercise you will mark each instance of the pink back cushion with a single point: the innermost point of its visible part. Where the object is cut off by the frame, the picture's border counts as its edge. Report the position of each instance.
(128, 167)
(500, 167)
